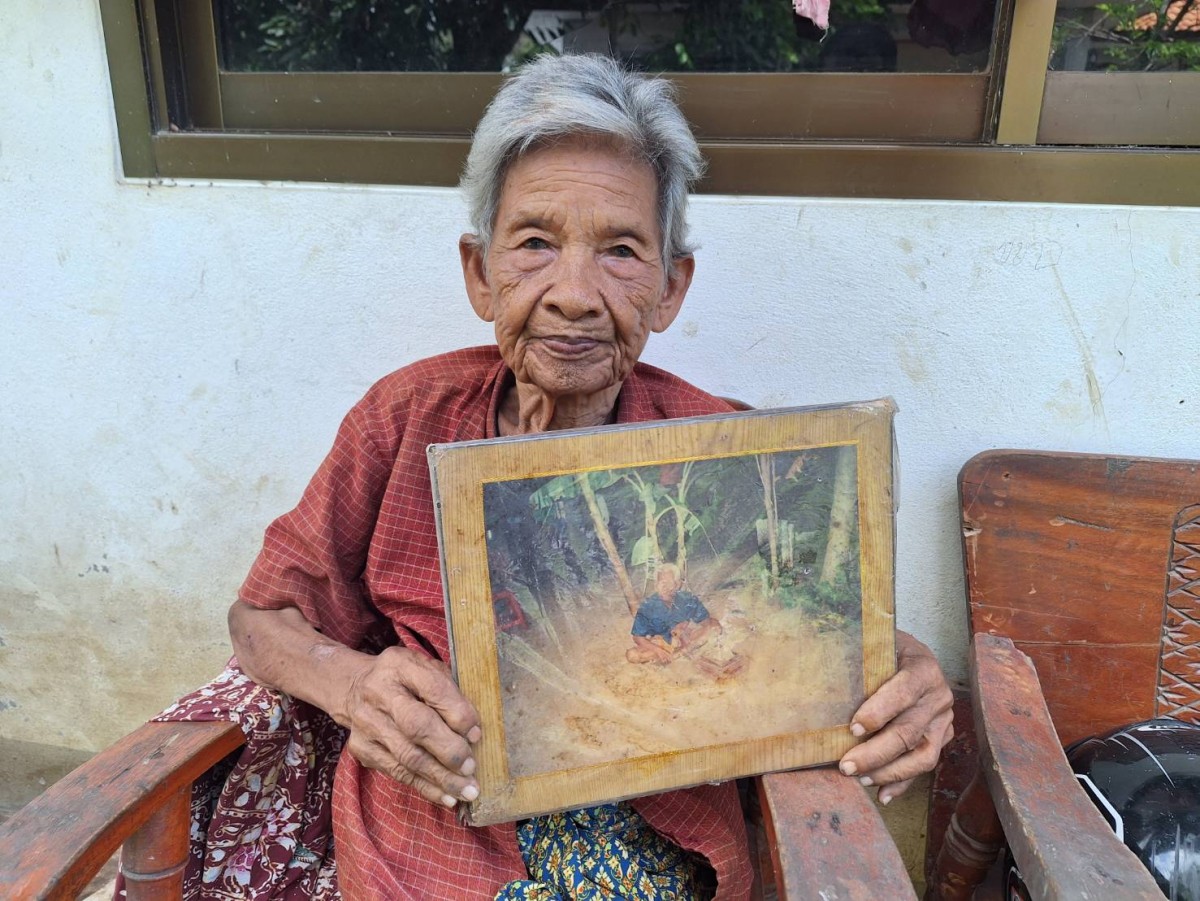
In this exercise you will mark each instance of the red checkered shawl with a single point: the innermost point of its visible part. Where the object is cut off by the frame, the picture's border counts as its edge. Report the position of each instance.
(359, 557)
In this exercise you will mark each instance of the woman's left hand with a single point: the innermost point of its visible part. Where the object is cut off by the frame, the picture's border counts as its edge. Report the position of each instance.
(909, 720)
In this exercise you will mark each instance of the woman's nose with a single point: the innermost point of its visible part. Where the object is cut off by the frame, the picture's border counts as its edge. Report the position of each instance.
(574, 287)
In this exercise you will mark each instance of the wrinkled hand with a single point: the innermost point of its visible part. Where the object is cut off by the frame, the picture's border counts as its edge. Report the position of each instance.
(408, 719)
(909, 720)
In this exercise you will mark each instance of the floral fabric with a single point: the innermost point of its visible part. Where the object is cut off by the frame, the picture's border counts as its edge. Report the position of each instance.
(262, 820)
(606, 853)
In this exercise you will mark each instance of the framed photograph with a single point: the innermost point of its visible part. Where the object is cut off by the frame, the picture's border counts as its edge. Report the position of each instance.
(645, 607)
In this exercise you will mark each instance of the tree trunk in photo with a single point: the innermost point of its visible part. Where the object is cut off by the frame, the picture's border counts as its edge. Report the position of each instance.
(655, 556)
(631, 597)
(681, 514)
(766, 472)
(841, 514)
(681, 540)
(529, 559)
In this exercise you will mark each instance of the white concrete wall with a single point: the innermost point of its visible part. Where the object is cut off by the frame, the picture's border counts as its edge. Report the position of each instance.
(174, 361)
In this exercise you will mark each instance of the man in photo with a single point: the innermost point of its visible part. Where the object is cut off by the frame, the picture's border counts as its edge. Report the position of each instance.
(670, 622)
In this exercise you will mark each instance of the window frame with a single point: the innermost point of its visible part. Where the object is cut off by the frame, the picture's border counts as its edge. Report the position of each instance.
(180, 117)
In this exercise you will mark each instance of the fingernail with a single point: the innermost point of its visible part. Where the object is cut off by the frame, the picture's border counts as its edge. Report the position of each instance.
(470, 793)
(885, 800)
(848, 768)
(475, 734)
(448, 801)
(865, 780)
(468, 767)
(857, 730)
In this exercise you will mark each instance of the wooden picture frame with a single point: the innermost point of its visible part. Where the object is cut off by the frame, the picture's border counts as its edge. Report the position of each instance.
(786, 523)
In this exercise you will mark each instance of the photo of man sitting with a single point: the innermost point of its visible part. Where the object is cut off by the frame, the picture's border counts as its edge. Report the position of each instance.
(670, 622)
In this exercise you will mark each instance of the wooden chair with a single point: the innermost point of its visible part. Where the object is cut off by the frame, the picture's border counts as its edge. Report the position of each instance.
(1085, 614)
(820, 835)
(135, 793)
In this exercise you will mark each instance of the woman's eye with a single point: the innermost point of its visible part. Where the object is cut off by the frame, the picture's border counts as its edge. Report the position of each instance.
(534, 244)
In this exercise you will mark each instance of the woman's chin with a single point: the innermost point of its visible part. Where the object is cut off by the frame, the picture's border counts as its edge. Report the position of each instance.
(579, 383)
(580, 395)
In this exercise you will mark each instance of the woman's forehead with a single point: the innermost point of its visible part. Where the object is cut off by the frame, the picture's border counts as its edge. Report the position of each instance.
(599, 178)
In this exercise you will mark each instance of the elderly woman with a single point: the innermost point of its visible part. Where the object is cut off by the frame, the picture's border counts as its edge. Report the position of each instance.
(577, 183)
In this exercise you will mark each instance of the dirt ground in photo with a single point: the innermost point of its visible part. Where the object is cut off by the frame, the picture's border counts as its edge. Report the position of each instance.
(571, 699)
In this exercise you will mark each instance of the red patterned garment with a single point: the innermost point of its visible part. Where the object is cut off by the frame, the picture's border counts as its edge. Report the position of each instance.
(358, 556)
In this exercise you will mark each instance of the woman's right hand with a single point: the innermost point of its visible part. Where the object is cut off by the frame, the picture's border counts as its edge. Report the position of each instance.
(406, 716)
(408, 719)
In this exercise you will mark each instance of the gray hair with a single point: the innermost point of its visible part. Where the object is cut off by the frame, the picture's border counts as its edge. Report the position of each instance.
(586, 94)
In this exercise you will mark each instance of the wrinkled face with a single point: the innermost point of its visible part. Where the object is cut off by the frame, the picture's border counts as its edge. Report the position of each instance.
(574, 279)
(667, 583)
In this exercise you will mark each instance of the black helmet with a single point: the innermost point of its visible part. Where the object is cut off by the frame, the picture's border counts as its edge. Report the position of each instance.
(1145, 778)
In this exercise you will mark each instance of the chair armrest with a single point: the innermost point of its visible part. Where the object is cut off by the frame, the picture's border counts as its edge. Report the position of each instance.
(53, 845)
(827, 839)
(1060, 841)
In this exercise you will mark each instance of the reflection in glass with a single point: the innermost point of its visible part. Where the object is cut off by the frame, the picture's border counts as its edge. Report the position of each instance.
(1146, 36)
(695, 36)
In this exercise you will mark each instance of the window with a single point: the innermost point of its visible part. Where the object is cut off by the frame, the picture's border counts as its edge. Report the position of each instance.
(1124, 73)
(912, 99)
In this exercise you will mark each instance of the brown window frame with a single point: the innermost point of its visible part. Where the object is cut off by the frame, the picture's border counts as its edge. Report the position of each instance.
(982, 136)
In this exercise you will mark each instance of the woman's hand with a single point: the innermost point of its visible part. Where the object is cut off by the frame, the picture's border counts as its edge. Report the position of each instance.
(909, 720)
(406, 716)
(408, 719)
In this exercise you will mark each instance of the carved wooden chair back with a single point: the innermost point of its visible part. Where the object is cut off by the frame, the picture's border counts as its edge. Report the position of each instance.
(1091, 565)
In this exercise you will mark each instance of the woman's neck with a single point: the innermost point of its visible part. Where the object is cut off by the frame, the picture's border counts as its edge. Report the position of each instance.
(527, 409)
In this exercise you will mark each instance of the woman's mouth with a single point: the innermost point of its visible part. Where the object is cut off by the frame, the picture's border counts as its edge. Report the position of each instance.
(565, 346)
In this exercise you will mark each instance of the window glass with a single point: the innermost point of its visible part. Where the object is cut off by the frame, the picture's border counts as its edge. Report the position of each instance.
(1146, 36)
(695, 36)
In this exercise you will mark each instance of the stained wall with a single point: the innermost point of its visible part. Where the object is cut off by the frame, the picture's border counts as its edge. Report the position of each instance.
(175, 358)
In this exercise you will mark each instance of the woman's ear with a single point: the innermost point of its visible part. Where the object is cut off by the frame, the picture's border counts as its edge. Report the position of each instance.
(474, 266)
(678, 282)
